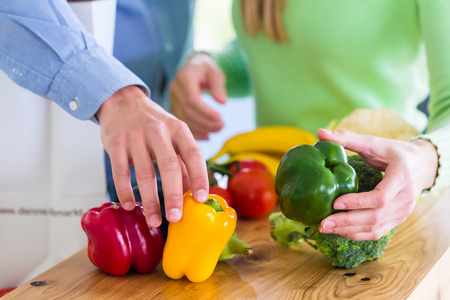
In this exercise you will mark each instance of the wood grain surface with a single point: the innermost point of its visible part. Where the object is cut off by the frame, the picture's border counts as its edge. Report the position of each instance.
(416, 265)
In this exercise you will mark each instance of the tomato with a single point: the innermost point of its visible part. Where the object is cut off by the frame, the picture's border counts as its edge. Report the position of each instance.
(223, 193)
(253, 193)
(247, 164)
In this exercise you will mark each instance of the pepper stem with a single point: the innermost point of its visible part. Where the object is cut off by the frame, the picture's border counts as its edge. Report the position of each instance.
(235, 246)
(214, 204)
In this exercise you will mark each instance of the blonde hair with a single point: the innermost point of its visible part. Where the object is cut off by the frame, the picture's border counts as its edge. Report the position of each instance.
(266, 16)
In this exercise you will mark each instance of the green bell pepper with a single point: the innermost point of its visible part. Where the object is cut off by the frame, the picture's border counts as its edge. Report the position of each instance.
(309, 179)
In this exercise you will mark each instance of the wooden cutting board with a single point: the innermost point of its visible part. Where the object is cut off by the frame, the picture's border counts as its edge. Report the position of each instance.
(416, 265)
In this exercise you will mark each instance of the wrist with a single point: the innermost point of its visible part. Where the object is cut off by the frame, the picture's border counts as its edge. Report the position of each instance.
(200, 57)
(118, 99)
(430, 161)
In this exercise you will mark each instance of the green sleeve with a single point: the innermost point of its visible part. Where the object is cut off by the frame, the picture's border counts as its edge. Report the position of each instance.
(435, 22)
(233, 63)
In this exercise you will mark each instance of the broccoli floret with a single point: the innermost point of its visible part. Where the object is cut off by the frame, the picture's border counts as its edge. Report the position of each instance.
(368, 177)
(345, 252)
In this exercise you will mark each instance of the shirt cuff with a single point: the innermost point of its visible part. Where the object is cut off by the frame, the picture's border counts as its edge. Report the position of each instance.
(441, 140)
(88, 79)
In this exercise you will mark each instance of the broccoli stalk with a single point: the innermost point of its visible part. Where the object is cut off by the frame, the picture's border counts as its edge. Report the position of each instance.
(346, 253)
(286, 232)
(235, 246)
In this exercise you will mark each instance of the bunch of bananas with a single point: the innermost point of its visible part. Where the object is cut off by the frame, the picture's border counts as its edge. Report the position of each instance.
(266, 144)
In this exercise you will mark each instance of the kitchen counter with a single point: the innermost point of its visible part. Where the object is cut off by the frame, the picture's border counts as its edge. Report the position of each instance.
(416, 265)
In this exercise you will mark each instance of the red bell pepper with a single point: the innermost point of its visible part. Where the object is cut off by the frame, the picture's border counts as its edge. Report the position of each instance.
(121, 239)
(5, 291)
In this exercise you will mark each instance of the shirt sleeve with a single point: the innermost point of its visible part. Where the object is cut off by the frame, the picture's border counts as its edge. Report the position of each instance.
(45, 49)
(233, 63)
(434, 22)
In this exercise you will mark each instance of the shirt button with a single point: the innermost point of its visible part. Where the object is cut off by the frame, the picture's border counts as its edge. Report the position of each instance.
(73, 105)
(168, 47)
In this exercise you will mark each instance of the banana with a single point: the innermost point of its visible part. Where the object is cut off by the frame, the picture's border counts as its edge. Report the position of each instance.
(269, 161)
(267, 139)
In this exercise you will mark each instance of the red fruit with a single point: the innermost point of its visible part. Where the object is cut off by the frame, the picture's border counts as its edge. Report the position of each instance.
(223, 193)
(247, 164)
(253, 193)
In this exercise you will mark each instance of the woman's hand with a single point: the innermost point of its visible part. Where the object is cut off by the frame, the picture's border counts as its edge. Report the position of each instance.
(136, 131)
(200, 72)
(410, 168)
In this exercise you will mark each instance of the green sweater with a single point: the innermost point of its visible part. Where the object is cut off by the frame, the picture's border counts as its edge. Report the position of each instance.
(348, 54)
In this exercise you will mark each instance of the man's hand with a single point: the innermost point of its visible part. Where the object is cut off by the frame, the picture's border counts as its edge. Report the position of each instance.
(410, 168)
(200, 72)
(136, 131)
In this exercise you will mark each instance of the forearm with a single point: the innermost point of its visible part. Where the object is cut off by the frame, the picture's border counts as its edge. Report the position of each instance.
(44, 48)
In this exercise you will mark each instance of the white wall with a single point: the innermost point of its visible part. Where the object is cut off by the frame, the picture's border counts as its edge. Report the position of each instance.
(238, 115)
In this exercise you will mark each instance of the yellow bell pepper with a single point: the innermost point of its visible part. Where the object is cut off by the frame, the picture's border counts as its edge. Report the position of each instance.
(194, 243)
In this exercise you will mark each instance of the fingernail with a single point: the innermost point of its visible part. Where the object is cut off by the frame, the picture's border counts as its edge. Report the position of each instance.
(327, 131)
(128, 205)
(154, 220)
(340, 205)
(328, 225)
(174, 215)
(201, 195)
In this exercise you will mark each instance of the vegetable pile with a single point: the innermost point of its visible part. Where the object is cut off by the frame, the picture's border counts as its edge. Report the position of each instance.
(260, 168)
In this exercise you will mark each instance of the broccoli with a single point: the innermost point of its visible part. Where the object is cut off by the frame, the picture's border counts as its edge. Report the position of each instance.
(346, 253)
(367, 176)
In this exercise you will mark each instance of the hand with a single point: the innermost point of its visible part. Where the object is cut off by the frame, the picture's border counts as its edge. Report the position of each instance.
(410, 168)
(200, 72)
(136, 131)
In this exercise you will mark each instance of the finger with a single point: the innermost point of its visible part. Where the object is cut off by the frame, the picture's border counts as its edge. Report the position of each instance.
(203, 126)
(192, 91)
(217, 85)
(366, 220)
(185, 176)
(356, 233)
(200, 136)
(357, 201)
(177, 106)
(196, 113)
(195, 164)
(146, 180)
(364, 225)
(120, 168)
(365, 145)
(170, 172)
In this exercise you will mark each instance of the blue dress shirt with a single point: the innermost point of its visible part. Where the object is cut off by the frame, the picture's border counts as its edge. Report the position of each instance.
(151, 39)
(45, 48)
